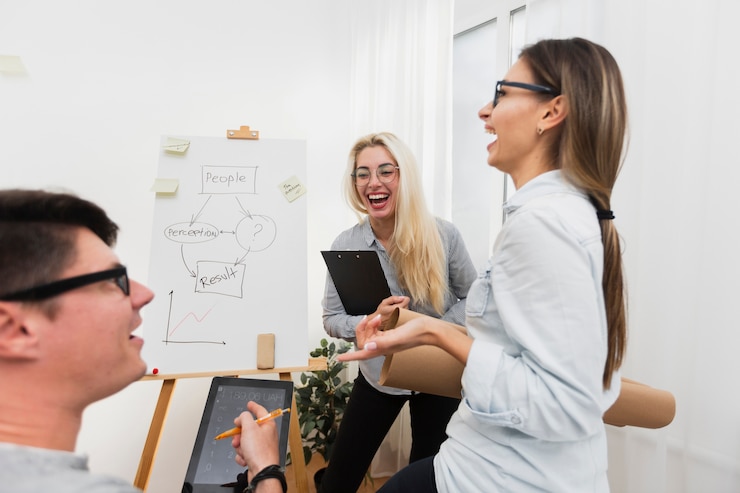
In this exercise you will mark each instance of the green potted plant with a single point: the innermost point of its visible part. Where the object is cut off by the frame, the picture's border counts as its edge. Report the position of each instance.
(321, 401)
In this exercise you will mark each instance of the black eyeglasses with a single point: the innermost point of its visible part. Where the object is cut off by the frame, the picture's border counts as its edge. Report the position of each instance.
(522, 85)
(118, 275)
(386, 173)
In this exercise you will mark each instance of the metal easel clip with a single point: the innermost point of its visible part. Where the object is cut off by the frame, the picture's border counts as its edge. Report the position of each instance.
(243, 133)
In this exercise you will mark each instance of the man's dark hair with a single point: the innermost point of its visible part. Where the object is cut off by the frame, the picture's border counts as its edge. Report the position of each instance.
(37, 237)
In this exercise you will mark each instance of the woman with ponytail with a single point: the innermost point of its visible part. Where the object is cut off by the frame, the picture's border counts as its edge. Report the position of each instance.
(545, 321)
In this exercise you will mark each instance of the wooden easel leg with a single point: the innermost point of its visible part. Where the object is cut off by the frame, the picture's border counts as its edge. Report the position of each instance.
(155, 432)
(296, 445)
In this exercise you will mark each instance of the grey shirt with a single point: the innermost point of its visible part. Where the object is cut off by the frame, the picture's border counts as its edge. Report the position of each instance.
(460, 274)
(34, 470)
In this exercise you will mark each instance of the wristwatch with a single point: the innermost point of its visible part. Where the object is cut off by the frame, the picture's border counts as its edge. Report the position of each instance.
(273, 471)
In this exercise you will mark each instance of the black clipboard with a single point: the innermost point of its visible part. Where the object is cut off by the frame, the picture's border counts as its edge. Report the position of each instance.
(212, 461)
(359, 279)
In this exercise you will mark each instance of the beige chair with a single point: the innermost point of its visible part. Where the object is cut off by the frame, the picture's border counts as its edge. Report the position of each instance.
(641, 405)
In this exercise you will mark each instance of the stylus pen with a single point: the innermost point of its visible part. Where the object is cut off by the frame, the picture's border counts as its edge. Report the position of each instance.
(267, 417)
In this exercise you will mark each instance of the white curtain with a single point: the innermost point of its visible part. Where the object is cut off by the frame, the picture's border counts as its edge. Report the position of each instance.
(401, 82)
(676, 209)
(401, 58)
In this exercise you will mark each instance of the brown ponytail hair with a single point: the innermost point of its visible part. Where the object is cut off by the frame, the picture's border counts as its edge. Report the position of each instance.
(590, 152)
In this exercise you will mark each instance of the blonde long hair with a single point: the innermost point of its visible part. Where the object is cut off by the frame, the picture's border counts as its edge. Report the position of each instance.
(415, 247)
(590, 152)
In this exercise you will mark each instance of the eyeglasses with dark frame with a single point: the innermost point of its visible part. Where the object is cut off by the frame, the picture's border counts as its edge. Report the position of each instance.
(523, 85)
(386, 173)
(45, 291)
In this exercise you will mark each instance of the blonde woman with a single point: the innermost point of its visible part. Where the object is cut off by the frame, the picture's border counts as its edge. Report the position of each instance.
(428, 270)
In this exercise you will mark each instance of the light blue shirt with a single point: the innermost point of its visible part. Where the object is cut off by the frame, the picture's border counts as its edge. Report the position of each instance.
(531, 414)
(34, 470)
(460, 274)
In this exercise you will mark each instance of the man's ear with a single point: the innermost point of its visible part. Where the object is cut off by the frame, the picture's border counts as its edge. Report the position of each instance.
(554, 112)
(18, 337)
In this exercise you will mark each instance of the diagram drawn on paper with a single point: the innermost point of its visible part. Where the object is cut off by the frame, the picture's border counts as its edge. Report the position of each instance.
(224, 255)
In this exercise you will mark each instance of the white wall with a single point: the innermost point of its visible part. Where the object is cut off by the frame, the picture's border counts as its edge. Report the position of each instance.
(105, 80)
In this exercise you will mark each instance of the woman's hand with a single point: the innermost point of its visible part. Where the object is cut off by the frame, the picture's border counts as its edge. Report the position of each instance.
(387, 306)
(373, 342)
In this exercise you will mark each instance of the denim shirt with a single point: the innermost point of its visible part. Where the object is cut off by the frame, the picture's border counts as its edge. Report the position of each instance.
(533, 400)
(460, 274)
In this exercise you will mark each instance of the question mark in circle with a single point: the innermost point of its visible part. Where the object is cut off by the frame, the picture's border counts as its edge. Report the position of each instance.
(257, 229)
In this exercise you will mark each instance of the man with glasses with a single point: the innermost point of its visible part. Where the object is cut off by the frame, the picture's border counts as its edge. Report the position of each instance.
(67, 315)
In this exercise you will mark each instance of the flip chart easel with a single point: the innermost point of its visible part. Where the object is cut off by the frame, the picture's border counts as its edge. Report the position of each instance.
(229, 228)
(295, 442)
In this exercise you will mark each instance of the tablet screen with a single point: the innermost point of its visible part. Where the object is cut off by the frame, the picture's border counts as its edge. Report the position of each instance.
(212, 461)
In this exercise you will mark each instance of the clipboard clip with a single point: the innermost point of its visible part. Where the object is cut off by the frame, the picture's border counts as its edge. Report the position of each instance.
(243, 133)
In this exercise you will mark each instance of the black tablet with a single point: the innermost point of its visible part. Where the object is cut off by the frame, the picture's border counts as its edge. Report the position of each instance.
(359, 279)
(212, 461)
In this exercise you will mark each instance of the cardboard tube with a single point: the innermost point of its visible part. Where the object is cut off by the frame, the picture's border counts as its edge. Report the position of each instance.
(641, 405)
(427, 369)
(431, 370)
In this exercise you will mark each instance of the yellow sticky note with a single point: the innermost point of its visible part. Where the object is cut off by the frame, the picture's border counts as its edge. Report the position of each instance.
(11, 65)
(176, 146)
(165, 185)
(292, 188)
